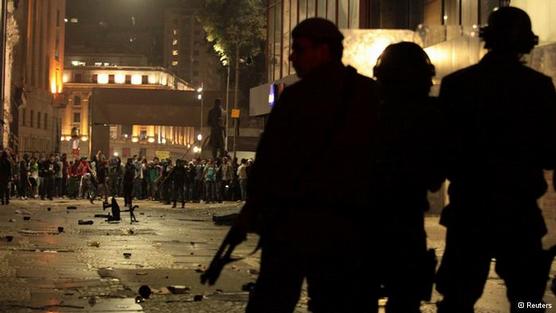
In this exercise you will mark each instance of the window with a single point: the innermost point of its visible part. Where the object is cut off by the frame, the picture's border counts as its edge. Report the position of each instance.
(128, 79)
(95, 78)
(331, 11)
(77, 100)
(45, 120)
(77, 78)
(311, 8)
(38, 119)
(127, 130)
(32, 118)
(302, 10)
(354, 14)
(174, 52)
(321, 8)
(343, 14)
(145, 79)
(111, 78)
(451, 12)
(143, 135)
(77, 117)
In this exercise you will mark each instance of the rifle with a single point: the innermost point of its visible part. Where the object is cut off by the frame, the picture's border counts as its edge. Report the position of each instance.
(223, 256)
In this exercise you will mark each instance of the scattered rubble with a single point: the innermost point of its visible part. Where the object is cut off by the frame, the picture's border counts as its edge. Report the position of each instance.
(198, 298)
(248, 287)
(145, 291)
(179, 289)
(224, 220)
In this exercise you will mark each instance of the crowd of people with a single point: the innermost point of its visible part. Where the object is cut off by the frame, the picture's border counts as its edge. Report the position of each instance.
(43, 176)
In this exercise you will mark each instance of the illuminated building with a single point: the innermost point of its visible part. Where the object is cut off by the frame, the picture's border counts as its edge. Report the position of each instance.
(447, 29)
(81, 80)
(36, 75)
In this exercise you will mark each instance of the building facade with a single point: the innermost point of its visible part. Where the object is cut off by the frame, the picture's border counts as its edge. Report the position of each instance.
(187, 52)
(37, 65)
(125, 140)
(447, 29)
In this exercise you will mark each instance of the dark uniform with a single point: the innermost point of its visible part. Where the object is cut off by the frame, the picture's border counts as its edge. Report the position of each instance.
(129, 177)
(407, 164)
(178, 176)
(502, 136)
(307, 212)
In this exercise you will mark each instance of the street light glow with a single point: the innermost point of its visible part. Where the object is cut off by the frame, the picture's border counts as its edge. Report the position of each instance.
(200, 89)
(199, 137)
(200, 96)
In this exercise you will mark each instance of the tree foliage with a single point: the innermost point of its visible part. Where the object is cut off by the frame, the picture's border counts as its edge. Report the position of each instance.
(234, 22)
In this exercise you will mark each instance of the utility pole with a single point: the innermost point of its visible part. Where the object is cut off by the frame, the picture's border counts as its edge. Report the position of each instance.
(4, 10)
(227, 106)
(236, 83)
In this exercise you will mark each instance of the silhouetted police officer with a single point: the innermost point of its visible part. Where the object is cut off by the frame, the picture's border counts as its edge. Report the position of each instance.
(306, 214)
(407, 166)
(502, 134)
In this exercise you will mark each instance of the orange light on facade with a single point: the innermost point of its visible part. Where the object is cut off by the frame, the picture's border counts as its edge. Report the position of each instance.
(53, 87)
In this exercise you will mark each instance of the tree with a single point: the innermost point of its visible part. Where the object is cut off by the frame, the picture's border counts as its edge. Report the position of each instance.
(237, 31)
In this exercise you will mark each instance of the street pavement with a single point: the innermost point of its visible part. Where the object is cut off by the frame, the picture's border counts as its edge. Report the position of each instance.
(84, 269)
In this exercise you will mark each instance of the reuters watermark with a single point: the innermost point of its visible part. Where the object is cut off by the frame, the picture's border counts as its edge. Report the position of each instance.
(533, 305)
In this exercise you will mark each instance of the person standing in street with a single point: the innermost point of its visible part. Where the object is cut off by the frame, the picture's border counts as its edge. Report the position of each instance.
(176, 177)
(302, 213)
(5, 177)
(242, 178)
(128, 182)
(24, 183)
(227, 175)
(501, 137)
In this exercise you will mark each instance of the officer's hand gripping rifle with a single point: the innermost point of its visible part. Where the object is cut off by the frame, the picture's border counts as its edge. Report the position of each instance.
(223, 255)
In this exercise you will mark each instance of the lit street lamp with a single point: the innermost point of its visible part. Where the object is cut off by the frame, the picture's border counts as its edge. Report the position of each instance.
(200, 98)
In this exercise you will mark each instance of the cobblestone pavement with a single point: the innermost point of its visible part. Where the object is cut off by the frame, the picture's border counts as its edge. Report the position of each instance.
(83, 268)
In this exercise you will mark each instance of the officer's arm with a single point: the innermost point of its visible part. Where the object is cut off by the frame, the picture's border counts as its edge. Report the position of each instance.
(267, 150)
(549, 100)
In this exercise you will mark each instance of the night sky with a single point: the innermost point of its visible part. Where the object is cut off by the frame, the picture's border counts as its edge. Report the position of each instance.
(109, 26)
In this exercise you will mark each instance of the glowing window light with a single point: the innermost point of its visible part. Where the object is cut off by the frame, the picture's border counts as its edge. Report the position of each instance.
(174, 63)
(65, 78)
(136, 79)
(175, 52)
(134, 139)
(150, 140)
(119, 78)
(152, 79)
(102, 78)
(364, 46)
